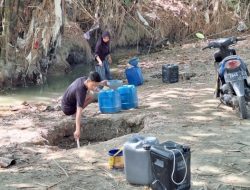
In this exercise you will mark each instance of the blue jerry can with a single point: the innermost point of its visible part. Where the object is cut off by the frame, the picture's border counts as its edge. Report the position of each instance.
(109, 101)
(134, 76)
(129, 97)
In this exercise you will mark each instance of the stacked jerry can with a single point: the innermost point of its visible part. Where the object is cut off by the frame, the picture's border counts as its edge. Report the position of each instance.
(161, 166)
(137, 159)
(171, 165)
(118, 97)
(129, 97)
(109, 101)
(134, 73)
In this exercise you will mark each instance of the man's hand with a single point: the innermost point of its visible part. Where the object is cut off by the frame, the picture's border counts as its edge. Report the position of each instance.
(99, 60)
(110, 59)
(104, 83)
(100, 63)
(77, 134)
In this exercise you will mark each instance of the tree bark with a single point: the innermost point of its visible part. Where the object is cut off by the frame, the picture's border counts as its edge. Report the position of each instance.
(6, 31)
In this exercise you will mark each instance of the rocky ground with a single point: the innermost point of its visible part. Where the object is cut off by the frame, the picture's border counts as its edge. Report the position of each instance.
(39, 137)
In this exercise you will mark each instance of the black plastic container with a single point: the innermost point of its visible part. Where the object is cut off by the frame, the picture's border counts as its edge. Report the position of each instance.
(170, 73)
(166, 176)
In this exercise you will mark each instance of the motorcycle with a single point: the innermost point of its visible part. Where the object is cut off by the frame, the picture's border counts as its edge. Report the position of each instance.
(233, 82)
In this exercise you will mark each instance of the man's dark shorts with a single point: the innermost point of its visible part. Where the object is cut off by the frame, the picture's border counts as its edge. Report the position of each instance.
(68, 110)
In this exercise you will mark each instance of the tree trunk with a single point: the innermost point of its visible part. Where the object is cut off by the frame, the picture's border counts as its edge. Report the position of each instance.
(1, 27)
(6, 31)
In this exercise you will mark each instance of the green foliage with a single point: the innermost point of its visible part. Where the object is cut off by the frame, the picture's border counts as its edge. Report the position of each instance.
(234, 4)
(127, 2)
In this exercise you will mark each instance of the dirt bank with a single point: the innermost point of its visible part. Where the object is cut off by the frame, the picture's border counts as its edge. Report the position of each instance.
(184, 112)
(42, 37)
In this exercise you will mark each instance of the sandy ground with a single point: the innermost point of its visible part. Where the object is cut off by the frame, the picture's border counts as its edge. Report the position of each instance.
(185, 112)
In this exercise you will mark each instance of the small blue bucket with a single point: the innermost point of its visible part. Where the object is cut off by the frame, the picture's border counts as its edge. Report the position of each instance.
(114, 151)
(134, 61)
(116, 160)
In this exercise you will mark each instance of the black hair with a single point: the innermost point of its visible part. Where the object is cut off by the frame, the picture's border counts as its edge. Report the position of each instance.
(105, 34)
(94, 76)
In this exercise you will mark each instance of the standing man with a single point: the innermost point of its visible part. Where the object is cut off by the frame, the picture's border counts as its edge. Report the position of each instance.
(75, 98)
(103, 57)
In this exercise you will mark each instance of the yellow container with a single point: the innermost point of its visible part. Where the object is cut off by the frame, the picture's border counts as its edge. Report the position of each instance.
(116, 159)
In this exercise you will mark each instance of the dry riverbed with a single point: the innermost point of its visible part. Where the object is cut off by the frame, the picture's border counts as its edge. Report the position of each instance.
(39, 136)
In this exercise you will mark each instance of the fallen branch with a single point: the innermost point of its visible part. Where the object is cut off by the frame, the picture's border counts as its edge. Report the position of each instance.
(25, 187)
(48, 186)
(218, 186)
(41, 184)
(243, 143)
(244, 172)
(61, 168)
(234, 151)
(108, 173)
(219, 105)
(55, 184)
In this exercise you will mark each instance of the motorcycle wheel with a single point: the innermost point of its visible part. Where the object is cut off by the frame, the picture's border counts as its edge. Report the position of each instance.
(242, 107)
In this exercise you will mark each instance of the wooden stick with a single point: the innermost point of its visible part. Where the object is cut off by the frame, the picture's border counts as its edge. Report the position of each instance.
(61, 168)
(55, 184)
(107, 173)
(43, 185)
(78, 143)
(233, 151)
(219, 105)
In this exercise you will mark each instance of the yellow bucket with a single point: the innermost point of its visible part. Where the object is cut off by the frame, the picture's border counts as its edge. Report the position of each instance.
(116, 159)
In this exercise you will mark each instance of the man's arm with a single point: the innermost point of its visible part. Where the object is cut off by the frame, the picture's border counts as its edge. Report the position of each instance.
(103, 83)
(77, 132)
(97, 53)
(88, 100)
(99, 60)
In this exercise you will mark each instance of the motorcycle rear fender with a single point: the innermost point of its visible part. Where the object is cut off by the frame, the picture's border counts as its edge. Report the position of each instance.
(239, 87)
(222, 69)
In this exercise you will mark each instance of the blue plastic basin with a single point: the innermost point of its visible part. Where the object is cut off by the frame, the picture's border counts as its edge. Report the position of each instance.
(114, 84)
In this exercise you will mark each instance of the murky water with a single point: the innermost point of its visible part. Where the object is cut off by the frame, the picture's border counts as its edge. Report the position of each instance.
(54, 88)
(56, 85)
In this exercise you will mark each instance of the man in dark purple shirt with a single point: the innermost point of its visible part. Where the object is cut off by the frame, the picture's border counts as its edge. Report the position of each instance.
(75, 98)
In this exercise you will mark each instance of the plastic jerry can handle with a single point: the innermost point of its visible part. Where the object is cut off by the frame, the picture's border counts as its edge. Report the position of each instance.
(147, 146)
(185, 148)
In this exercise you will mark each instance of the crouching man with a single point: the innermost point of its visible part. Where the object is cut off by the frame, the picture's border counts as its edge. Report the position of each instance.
(76, 97)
